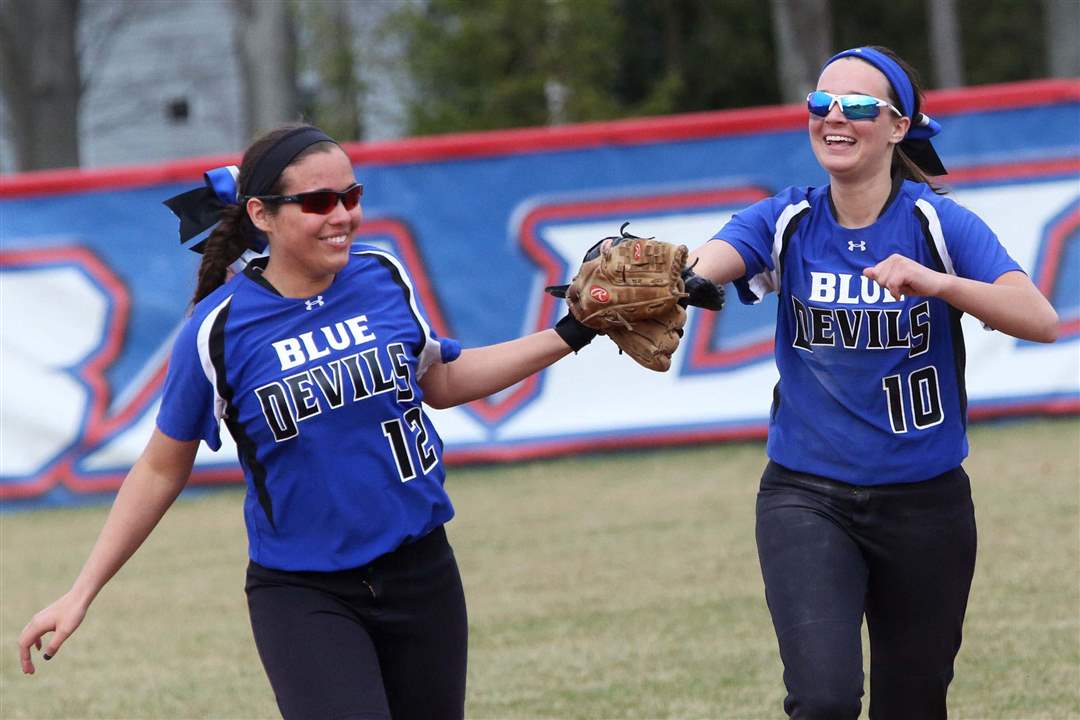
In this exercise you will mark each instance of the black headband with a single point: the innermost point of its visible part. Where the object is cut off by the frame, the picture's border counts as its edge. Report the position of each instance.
(200, 209)
(272, 163)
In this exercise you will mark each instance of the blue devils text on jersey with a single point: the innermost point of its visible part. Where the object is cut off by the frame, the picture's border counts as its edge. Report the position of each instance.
(322, 397)
(871, 387)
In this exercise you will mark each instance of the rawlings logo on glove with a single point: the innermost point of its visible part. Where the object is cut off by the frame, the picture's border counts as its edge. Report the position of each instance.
(629, 288)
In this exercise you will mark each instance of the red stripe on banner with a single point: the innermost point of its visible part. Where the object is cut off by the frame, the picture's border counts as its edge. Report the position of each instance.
(1010, 171)
(632, 131)
(554, 448)
(1063, 406)
(39, 486)
(1069, 327)
(1055, 246)
(87, 484)
(99, 432)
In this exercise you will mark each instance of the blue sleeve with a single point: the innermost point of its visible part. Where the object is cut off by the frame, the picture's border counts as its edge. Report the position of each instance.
(975, 250)
(449, 349)
(189, 400)
(751, 232)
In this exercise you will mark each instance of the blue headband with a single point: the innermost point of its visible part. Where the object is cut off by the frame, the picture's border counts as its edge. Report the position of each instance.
(916, 142)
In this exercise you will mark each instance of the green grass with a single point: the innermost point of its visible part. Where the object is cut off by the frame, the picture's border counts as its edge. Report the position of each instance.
(615, 586)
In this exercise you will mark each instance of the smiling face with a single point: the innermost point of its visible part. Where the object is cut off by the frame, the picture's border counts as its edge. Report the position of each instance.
(307, 249)
(855, 149)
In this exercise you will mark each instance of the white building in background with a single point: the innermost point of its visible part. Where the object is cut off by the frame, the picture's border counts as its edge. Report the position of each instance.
(167, 83)
(169, 87)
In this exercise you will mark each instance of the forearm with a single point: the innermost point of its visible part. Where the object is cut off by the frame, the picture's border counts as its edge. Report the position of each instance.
(1012, 305)
(718, 261)
(146, 493)
(479, 372)
(139, 505)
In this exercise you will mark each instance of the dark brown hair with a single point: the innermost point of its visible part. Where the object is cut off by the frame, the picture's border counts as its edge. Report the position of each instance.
(901, 163)
(234, 233)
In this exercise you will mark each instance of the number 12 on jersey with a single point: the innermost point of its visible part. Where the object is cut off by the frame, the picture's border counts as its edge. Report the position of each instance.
(923, 395)
(398, 437)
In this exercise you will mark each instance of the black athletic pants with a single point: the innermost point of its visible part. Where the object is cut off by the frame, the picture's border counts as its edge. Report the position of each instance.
(384, 640)
(901, 554)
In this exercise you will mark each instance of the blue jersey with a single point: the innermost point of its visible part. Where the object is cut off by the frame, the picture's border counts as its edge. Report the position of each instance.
(322, 398)
(871, 387)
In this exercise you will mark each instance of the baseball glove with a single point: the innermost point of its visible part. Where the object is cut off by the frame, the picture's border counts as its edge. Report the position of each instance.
(629, 288)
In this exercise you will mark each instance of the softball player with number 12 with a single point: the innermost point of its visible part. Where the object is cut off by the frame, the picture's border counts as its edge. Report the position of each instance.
(317, 358)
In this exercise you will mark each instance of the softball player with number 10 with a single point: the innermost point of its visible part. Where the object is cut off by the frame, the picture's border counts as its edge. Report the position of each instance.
(864, 508)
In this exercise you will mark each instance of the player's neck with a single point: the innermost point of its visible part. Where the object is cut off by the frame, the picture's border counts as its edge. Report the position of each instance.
(858, 201)
(292, 284)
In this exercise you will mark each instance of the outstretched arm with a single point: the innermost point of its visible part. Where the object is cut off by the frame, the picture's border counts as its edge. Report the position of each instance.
(481, 371)
(718, 261)
(1011, 304)
(147, 492)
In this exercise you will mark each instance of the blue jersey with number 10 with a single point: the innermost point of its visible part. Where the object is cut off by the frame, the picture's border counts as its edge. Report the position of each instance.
(871, 387)
(322, 398)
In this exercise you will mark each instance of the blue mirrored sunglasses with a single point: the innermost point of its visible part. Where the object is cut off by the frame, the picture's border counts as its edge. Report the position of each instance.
(854, 107)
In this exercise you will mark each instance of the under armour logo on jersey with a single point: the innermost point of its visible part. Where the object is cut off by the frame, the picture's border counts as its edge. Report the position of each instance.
(312, 304)
(851, 245)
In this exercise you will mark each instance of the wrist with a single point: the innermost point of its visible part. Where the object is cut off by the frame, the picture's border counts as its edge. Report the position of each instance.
(947, 286)
(573, 332)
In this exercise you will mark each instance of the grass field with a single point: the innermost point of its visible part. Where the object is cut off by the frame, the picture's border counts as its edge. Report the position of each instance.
(617, 586)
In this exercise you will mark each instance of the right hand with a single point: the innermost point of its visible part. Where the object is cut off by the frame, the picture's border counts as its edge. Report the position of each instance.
(61, 619)
(701, 291)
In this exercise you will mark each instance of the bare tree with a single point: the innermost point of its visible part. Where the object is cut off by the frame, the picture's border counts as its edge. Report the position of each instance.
(266, 45)
(41, 81)
(802, 32)
(51, 56)
(946, 46)
(1062, 19)
(331, 88)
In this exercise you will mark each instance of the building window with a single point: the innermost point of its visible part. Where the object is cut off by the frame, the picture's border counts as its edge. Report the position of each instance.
(177, 110)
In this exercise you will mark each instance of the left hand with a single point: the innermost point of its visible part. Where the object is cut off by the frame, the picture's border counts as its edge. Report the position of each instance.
(903, 276)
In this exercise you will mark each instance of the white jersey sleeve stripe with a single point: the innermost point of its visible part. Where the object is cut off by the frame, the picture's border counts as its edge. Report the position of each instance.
(430, 351)
(934, 225)
(769, 280)
(203, 343)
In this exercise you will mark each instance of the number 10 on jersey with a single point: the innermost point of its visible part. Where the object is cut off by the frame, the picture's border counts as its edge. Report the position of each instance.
(922, 394)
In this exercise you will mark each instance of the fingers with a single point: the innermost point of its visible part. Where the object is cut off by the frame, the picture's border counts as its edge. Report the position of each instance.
(884, 277)
(31, 635)
(893, 274)
(24, 659)
(902, 276)
(51, 650)
(48, 620)
(55, 642)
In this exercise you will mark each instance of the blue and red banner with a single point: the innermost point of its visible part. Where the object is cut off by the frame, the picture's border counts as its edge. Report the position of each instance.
(94, 283)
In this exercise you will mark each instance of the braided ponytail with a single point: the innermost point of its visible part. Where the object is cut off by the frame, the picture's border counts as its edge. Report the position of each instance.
(226, 243)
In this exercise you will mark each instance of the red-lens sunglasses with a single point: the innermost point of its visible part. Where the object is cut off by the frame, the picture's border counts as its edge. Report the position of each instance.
(319, 202)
